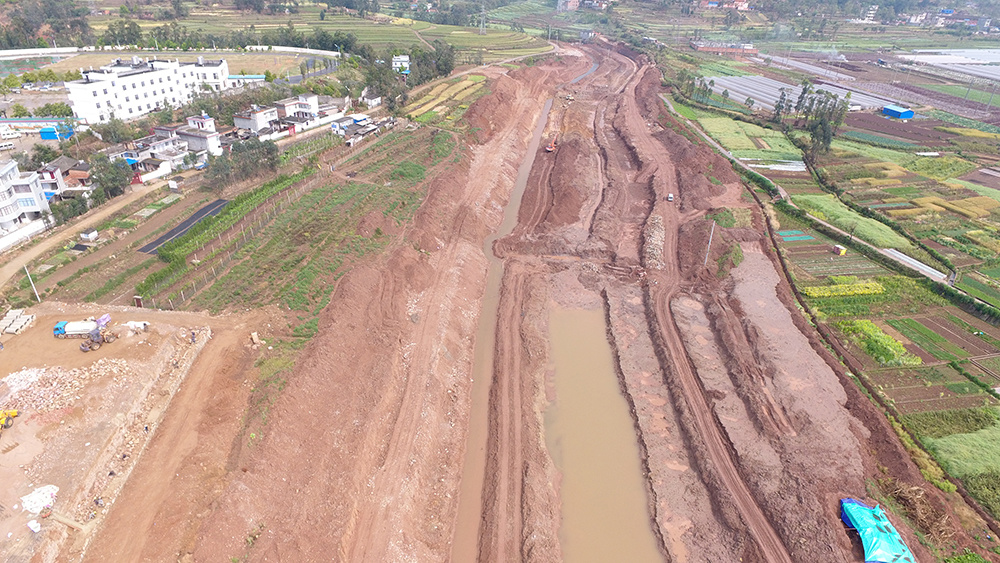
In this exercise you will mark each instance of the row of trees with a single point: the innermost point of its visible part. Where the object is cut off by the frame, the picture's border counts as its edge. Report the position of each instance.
(55, 109)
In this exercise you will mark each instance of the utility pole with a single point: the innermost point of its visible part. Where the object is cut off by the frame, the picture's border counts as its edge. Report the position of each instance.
(482, 20)
(32, 283)
(990, 103)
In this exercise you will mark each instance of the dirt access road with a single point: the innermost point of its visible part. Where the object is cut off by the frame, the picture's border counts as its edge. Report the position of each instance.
(749, 431)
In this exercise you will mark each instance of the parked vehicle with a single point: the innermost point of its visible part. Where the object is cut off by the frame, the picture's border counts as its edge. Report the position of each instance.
(74, 329)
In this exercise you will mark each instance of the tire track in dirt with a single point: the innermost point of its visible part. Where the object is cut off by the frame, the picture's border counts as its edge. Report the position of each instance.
(664, 288)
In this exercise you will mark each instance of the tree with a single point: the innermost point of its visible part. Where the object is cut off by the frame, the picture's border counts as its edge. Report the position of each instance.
(18, 110)
(55, 109)
(165, 116)
(725, 95)
(303, 69)
(803, 94)
(749, 102)
(43, 154)
(115, 131)
(779, 107)
(111, 176)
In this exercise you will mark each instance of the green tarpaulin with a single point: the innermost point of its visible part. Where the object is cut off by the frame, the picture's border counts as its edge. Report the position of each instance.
(878, 536)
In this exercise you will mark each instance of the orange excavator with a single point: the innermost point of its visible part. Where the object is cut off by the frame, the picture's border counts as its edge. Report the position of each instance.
(551, 147)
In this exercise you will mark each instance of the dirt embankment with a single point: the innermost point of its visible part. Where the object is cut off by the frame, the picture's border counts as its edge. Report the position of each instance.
(361, 458)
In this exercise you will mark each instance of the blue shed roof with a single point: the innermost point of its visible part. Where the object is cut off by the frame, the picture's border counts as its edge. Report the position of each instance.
(893, 107)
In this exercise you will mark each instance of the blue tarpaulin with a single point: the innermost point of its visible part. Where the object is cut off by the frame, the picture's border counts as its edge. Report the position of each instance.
(878, 536)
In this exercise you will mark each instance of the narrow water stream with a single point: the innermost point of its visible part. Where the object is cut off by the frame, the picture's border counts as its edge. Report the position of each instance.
(590, 434)
(470, 502)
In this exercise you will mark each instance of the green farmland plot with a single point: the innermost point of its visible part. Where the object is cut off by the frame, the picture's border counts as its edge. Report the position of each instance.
(902, 296)
(746, 140)
(829, 208)
(957, 90)
(978, 289)
(935, 344)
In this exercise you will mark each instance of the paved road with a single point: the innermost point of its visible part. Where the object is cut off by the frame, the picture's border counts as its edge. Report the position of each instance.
(211, 209)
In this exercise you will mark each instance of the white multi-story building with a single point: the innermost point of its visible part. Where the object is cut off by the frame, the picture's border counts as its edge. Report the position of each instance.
(131, 88)
(21, 197)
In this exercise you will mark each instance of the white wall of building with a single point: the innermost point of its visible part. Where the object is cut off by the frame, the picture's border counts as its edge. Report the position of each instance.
(130, 88)
(21, 196)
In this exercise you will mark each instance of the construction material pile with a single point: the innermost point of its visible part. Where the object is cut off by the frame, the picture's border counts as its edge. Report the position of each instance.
(50, 388)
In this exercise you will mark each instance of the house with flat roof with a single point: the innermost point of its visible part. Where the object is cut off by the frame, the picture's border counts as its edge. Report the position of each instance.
(256, 118)
(303, 105)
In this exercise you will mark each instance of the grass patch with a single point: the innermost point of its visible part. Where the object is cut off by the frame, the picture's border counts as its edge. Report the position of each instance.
(985, 488)
(938, 424)
(722, 218)
(968, 454)
(828, 208)
(409, 171)
(684, 111)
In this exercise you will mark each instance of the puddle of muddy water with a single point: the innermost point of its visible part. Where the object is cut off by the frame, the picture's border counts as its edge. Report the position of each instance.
(591, 437)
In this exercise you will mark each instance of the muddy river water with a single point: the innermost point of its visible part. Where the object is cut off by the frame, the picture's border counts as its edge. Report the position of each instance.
(590, 434)
(589, 430)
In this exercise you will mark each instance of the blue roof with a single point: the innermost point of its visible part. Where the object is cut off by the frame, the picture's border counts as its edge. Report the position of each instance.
(131, 160)
(893, 107)
(48, 195)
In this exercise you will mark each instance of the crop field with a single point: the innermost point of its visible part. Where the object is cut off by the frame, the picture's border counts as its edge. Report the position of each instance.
(444, 104)
(817, 261)
(296, 259)
(921, 132)
(498, 43)
(980, 289)
(829, 208)
(928, 340)
(749, 141)
(960, 91)
(901, 296)
(963, 121)
(877, 344)
(518, 10)
(929, 388)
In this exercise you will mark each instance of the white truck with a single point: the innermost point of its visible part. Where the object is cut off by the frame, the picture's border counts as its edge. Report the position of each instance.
(74, 329)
